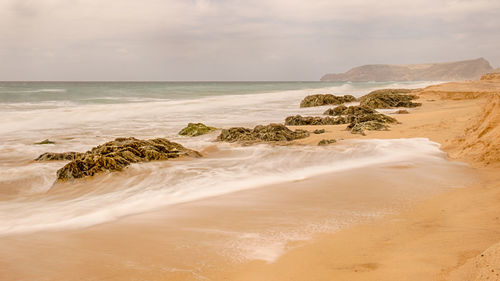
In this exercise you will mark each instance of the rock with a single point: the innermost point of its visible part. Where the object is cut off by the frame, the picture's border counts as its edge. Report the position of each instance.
(325, 99)
(299, 120)
(326, 142)
(269, 133)
(358, 128)
(351, 110)
(379, 117)
(116, 155)
(196, 129)
(389, 98)
(320, 131)
(46, 141)
(402, 111)
(51, 156)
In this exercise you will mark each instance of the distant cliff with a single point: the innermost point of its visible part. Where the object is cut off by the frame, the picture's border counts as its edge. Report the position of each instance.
(448, 71)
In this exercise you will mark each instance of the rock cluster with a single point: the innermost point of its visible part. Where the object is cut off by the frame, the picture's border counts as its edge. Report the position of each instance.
(389, 98)
(325, 99)
(326, 142)
(116, 155)
(351, 110)
(299, 120)
(270, 133)
(359, 128)
(196, 129)
(356, 121)
(319, 131)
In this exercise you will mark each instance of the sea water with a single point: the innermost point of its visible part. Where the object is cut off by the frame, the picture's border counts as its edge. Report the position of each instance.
(80, 115)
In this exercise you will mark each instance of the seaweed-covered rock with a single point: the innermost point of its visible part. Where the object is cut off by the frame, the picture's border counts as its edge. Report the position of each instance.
(196, 129)
(351, 110)
(270, 133)
(379, 117)
(45, 141)
(389, 98)
(116, 155)
(326, 142)
(359, 128)
(319, 131)
(299, 120)
(52, 156)
(325, 99)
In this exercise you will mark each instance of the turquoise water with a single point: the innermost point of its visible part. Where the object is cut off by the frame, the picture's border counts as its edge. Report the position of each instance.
(123, 92)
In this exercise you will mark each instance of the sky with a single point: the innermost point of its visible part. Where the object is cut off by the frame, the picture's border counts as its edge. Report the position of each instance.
(236, 40)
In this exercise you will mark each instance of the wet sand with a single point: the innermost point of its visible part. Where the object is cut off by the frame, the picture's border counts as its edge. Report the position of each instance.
(208, 239)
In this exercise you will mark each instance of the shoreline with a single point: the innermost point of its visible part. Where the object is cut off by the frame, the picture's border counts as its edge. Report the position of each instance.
(430, 240)
(441, 238)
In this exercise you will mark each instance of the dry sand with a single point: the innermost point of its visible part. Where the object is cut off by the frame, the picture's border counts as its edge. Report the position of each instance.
(441, 238)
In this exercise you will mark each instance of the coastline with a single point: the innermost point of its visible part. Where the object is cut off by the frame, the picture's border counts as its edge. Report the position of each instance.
(441, 238)
(430, 240)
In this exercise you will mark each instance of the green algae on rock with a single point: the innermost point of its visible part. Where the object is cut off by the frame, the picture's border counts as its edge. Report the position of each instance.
(53, 156)
(299, 120)
(269, 133)
(196, 129)
(325, 99)
(116, 155)
(351, 110)
(389, 98)
(359, 128)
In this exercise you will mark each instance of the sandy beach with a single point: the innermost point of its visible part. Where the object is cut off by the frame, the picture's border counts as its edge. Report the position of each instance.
(407, 226)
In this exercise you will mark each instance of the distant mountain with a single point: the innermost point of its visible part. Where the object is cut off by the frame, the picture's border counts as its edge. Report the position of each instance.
(447, 71)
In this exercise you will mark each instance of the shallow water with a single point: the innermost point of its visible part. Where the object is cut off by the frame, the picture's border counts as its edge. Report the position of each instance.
(79, 116)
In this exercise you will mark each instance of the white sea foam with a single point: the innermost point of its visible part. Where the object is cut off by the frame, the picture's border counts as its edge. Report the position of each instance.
(78, 127)
(149, 186)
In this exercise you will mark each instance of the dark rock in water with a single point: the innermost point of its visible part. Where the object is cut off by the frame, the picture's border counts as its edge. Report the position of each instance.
(236, 134)
(51, 156)
(359, 128)
(116, 155)
(46, 141)
(351, 110)
(402, 111)
(196, 129)
(317, 132)
(299, 120)
(326, 142)
(389, 98)
(320, 99)
(269, 133)
(379, 117)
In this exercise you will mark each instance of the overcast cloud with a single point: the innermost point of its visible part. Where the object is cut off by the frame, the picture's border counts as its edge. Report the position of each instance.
(236, 39)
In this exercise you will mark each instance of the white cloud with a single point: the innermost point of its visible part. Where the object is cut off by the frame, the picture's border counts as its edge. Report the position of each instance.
(236, 39)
